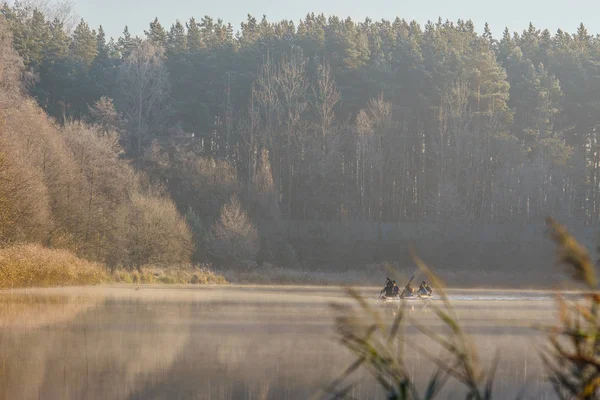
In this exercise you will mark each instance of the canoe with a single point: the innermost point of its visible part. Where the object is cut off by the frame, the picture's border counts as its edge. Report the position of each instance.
(408, 298)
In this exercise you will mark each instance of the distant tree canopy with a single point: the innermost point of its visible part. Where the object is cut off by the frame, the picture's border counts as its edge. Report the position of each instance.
(375, 120)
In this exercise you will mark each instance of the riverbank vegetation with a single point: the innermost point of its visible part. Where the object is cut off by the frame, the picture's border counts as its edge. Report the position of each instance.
(318, 148)
(174, 274)
(33, 265)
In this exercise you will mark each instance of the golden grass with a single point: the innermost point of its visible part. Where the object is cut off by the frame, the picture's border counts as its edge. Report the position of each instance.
(178, 274)
(572, 355)
(29, 265)
(32, 265)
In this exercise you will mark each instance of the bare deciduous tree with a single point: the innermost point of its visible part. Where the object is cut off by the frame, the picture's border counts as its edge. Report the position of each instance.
(143, 80)
(233, 238)
(106, 184)
(264, 193)
(63, 11)
(11, 66)
(104, 113)
(24, 213)
(209, 183)
(375, 126)
(325, 98)
(153, 232)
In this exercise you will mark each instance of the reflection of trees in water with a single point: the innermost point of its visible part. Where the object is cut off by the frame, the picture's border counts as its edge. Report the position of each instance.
(107, 352)
(22, 311)
(204, 344)
(275, 355)
(252, 364)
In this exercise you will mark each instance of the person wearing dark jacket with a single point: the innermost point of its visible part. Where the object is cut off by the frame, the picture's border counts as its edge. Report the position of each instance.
(388, 290)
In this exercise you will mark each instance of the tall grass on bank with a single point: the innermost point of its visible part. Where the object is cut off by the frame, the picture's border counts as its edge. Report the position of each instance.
(571, 357)
(32, 265)
(178, 274)
(28, 265)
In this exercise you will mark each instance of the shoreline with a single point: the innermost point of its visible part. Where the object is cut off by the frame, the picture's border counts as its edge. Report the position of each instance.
(257, 287)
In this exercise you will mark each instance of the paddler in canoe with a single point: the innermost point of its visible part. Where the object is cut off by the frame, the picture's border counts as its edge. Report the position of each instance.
(392, 291)
(388, 290)
(408, 291)
(424, 289)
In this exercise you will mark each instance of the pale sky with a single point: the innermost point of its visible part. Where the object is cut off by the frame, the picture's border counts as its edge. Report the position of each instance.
(516, 14)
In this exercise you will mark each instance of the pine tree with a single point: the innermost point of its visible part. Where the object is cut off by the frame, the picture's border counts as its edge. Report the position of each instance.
(30, 35)
(103, 70)
(84, 45)
(125, 43)
(101, 46)
(250, 32)
(156, 34)
(194, 37)
(176, 39)
(487, 34)
(583, 37)
(58, 41)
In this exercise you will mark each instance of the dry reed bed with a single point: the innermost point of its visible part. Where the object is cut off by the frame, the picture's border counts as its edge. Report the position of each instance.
(178, 274)
(32, 265)
(27, 265)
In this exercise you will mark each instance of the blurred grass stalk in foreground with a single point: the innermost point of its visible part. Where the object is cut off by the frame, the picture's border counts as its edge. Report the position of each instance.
(571, 356)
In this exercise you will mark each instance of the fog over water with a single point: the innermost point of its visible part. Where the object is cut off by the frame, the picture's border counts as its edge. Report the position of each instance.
(232, 342)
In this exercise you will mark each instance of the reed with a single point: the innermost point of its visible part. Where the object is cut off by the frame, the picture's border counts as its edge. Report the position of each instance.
(29, 265)
(571, 356)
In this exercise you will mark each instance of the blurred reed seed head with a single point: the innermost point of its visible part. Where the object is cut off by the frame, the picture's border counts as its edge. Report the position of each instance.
(573, 255)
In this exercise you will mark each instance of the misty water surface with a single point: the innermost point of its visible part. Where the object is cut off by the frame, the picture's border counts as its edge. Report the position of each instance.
(230, 342)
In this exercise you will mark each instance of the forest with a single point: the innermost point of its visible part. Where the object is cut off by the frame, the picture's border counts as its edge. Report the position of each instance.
(188, 142)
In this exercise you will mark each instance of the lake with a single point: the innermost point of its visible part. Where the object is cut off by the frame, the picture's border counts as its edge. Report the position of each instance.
(235, 342)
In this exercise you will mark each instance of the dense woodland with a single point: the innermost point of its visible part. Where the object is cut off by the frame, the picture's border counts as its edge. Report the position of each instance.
(324, 119)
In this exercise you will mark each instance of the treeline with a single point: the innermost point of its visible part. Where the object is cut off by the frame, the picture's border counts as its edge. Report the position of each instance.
(67, 186)
(333, 119)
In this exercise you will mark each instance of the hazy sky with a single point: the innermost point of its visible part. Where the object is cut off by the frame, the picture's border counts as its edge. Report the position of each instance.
(516, 14)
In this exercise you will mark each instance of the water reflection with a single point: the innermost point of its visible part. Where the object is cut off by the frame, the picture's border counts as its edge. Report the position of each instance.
(221, 343)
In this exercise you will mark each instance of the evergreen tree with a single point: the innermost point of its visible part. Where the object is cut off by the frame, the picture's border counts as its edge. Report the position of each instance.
(104, 68)
(84, 45)
(249, 32)
(194, 36)
(176, 39)
(487, 35)
(125, 43)
(102, 50)
(30, 34)
(156, 34)
(58, 41)
(503, 112)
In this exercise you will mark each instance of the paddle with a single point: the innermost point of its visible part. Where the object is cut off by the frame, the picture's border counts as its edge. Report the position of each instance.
(404, 290)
